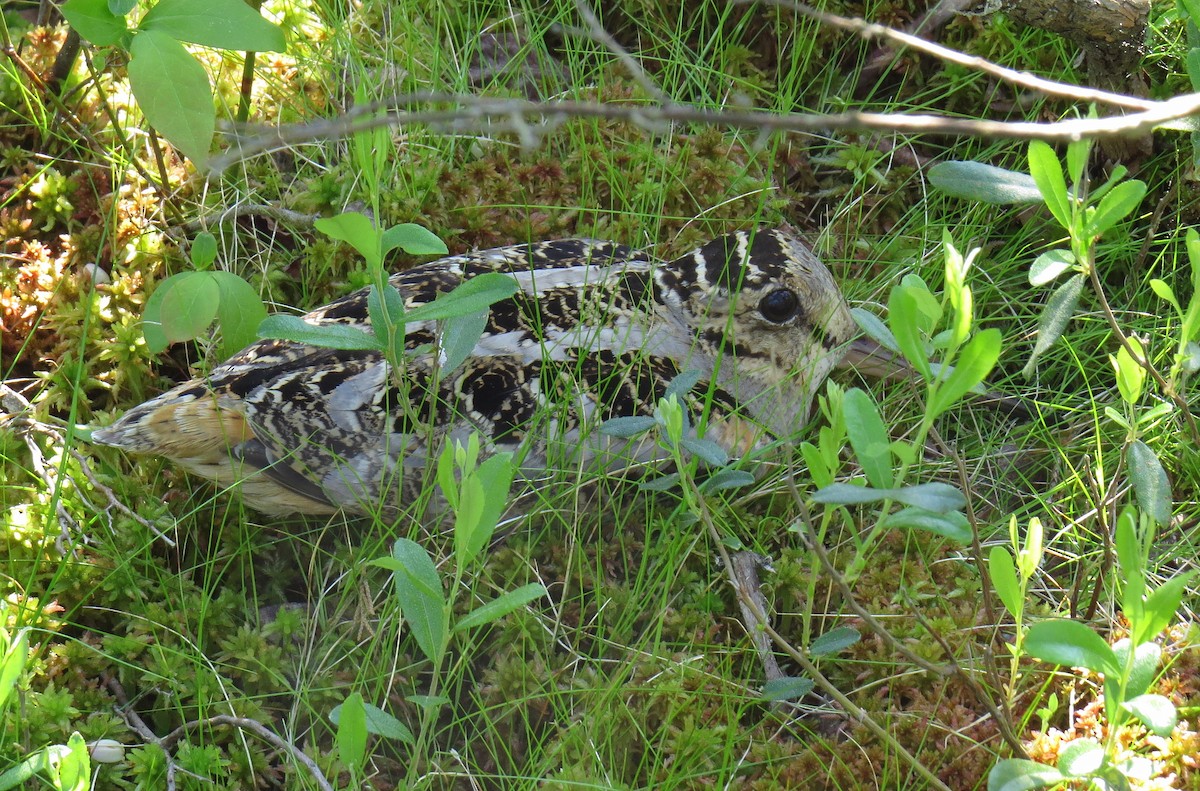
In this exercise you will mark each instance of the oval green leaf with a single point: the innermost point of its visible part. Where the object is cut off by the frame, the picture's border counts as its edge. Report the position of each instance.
(1150, 483)
(223, 24)
(835, 640)
(1018, 774)
(1155, 712)
(351, 721)
(94, 21)
(419, 593)
(975, 362)
(500, 606)
(1059, 310)
(474, 295)
(330, 336)
(380, 723)
(1003, 573)
(1047, 174)
(189, 306)
(1070, 643)
(977, 181)
(951, 524)
(1115, 206)
(869, 438)
(173, 92)
(1049, 265)
(240, 313)
(787, 688)
(413, 239)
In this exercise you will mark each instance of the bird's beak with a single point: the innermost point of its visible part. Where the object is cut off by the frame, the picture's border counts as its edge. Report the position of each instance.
(873, 361)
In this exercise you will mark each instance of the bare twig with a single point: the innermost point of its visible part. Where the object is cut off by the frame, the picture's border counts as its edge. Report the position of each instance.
(168, 742)
(597, 33)
(531, 120)
(871, 30)
(277, 213)
(813, 543)
(760, 620)
(16, 414)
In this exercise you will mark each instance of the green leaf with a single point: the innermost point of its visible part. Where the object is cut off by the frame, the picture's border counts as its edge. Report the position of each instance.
(122, 7)
(1191, 8)
(1143, 669)
(1161, 606)
(1165, 292)
(663, 483)
(1081, 758)
(937, 497)
(1116, 206)
(240, 312)
(628, 426)
(494, 481)
(951, 524)
(329, 336)
(1130, 566)
(357, 230)
(189, 306)
(727, 479)
(1049, 265)
(428, 701)
(787, 688)
(1150, 483)
(351, 720)
(1003, 573)
(204, 250)
(1155, 712)
(16, 653)
(419, 592)
(380, 723)
(385, 309)
(413, 239)
(1047, 174)
(912, 313)
(974, 363)
(977, 181)
(682, 384)
(1059, 311)
(1018, 774)
(1071, 643)
(458, 338)
(223, 24)
(500, 606)
(173, 92)
(705, 449)
(869, 438)
(73, 769)
(474, 295)
(94, 21)
(15, 776)
(875, 329)
(1077, 157)
(834, 641)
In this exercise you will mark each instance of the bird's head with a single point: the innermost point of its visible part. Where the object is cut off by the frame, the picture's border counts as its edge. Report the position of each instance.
(766, 315)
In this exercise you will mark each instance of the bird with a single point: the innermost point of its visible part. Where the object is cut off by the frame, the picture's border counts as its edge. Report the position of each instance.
(594, 330)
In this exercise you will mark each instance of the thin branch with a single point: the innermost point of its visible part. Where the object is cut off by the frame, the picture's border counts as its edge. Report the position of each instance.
(749, 603)
(871, 30)
(519, 116)
(813, 543)
(597, 33)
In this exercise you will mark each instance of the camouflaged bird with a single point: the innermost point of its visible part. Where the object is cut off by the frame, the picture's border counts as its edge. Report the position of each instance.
(594, 331)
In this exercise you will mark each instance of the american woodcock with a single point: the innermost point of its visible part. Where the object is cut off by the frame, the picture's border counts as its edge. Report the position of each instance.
(594, 331)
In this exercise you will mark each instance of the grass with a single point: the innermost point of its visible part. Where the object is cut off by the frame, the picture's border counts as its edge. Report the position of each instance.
(635, 671)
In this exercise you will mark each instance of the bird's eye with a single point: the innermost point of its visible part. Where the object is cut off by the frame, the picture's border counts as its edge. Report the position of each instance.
(779, 306)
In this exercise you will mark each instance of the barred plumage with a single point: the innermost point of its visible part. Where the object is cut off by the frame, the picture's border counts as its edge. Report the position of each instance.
(594, 331)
